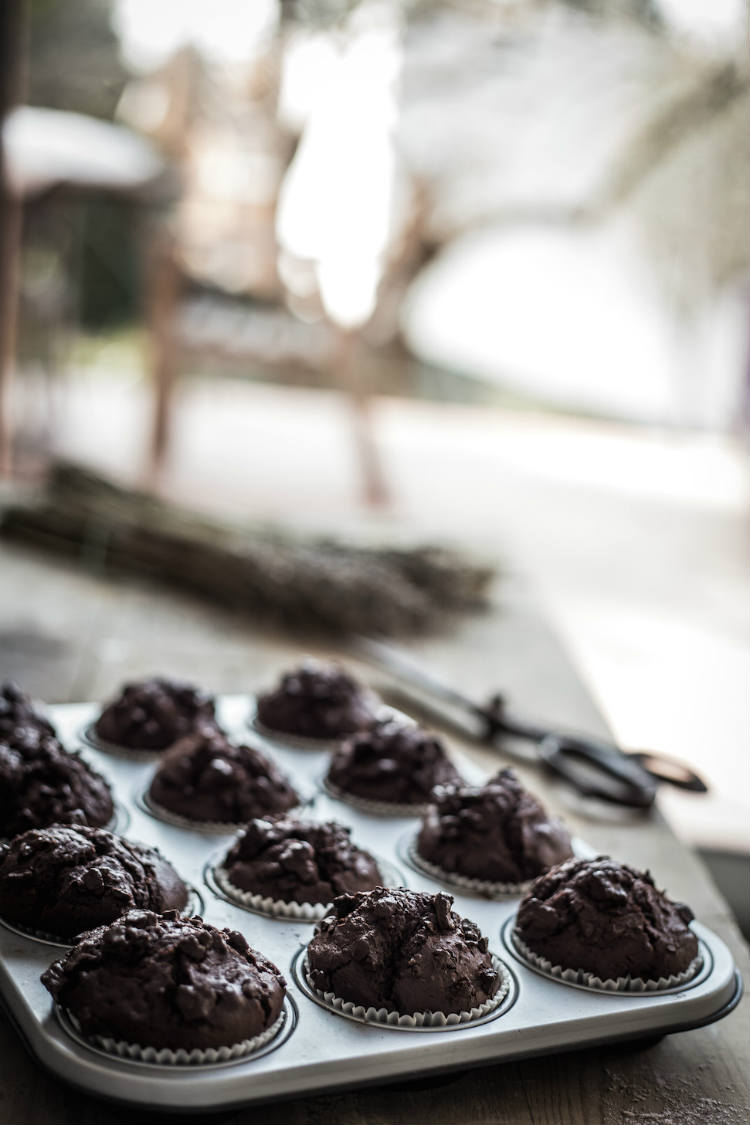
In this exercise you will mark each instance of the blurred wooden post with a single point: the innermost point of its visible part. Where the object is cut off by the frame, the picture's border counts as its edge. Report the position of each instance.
(163, 284)
(12, 36)
(344, 368)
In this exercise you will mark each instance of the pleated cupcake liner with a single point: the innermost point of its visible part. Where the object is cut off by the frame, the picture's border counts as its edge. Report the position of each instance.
(484, 887)
(365, 804)
(412, 1021)
(275, 907)
(180, 1056)
(626, 984)
(292, 911)
(211, 827)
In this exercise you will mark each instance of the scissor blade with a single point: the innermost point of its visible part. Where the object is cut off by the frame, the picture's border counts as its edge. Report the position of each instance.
(403, 667)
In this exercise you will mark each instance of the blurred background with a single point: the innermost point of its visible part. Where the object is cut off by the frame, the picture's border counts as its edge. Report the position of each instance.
(474, 270)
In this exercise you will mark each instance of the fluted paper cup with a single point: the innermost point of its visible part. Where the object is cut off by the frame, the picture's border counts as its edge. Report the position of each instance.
(584, 979)
(413, 1021)
(179, 1056)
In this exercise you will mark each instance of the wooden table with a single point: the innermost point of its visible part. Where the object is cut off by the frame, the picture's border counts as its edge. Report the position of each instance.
(68, 636)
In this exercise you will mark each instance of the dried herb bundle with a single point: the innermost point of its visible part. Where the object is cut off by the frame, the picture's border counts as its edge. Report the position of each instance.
(313, 584)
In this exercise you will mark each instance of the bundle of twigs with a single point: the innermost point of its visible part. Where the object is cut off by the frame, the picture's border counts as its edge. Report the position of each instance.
(311, 584)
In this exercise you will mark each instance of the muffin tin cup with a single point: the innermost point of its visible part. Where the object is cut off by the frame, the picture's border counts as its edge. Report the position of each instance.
(584, 979)
(117, 823)
(290, 911)
(180, 1056)
(412, 1021)
(295, 741)
(484, 887)
(307, 742)
(89, 737)
(210, 827)
(38, 935)
(269, 907)
(193, 906)
(376, 808)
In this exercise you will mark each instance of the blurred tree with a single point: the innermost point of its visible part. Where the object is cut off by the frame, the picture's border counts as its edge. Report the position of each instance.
(74, 64)
(74, 57)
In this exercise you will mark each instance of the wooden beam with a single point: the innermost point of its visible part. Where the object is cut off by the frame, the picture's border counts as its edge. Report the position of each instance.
(12, 51)
(162, 296)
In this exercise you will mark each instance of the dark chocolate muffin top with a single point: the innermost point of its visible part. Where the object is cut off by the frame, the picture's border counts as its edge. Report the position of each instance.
(205, 777)
(401, 950)
(317, 701)
(299, 861)
(393, 761)
(152, 714)
(607, 919)
(165, 981)
(497, 832)
(66, 879)
(42, 784)
(17, 710)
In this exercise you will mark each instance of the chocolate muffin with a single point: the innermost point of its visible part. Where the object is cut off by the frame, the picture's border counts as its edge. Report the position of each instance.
(498, 832)
(67, 879)
(394, 762)
(401, 950)
(299, 861)
(205, 777)
(159, 980)
(42, 784)
(317, 701)
(608, 919)
(17, 710)
(153, 714)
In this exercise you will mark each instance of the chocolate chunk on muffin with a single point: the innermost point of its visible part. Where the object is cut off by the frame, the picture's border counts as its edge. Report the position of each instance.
(608, 919)
(498, 832)
(404, 951)
(42, 784)
(394, 762)
(153, 714)
(70, 878)
(205, 777)
(165, 981)
(317, 701)
(299, 861)
(17, 710)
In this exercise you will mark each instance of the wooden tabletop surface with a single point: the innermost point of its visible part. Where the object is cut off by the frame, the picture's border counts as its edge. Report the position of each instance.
(65, 635)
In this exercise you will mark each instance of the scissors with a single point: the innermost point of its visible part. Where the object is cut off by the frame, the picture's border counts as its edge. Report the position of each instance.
(594, 767)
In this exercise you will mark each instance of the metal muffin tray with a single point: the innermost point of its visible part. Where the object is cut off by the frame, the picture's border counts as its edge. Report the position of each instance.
(318, 1050)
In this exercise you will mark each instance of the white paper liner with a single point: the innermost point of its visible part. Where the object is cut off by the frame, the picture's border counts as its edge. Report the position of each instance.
(211, 827)
(378, 808)
(484, 887)
(590, 980)
(295, 911)
(276, 907)
(166, 1056)
(437, 1020)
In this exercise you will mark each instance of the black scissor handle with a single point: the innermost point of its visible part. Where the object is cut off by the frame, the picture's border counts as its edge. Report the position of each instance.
(668, 769)
(599, 771)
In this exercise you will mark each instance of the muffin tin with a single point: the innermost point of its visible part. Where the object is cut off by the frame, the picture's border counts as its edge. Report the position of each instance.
(318, 1050)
